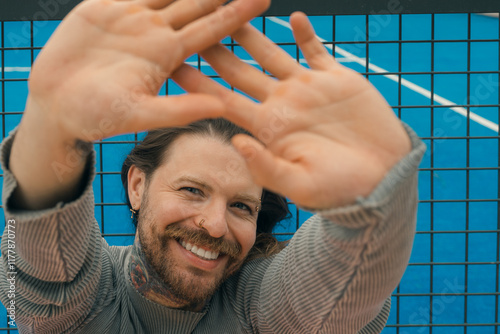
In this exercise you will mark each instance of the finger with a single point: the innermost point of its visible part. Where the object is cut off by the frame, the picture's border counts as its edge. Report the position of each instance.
(239, 109)
(237, 73)
(159, 111)
(183, 12)
(210, 29)
(268, 170)
(155, 4)
(314, 52)
(266, 53)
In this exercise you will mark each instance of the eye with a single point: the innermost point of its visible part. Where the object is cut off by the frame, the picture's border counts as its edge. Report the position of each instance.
(192, 190)
(242, 206)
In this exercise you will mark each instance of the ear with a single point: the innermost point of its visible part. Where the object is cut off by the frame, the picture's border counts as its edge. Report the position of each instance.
(136, 185)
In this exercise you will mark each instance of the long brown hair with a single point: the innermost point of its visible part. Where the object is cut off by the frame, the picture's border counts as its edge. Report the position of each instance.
(152, 151)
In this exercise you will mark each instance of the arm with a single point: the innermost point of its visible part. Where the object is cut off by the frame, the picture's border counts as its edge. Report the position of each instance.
(326, 139)
(98, 76)
(105, 81)
(341, 265)
(57, 260)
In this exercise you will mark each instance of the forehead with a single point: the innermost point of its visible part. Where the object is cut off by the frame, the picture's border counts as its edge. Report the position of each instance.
(208, 158)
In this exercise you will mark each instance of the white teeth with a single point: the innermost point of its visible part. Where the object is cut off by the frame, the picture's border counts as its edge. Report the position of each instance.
(212, 255)
(208, 255)
(201, 252)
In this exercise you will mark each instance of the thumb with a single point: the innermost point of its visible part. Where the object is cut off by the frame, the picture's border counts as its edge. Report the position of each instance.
(267, 170)
(167, 111)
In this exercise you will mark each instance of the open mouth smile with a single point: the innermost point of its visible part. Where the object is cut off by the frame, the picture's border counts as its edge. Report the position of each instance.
(200, 252)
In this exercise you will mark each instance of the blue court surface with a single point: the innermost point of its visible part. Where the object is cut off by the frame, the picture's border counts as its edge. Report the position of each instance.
(441, 75)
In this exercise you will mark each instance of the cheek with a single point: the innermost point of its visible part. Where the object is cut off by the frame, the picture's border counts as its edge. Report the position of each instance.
(168, 212)
(245, 235)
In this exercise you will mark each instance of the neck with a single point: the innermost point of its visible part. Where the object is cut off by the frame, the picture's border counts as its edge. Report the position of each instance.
(148, 283)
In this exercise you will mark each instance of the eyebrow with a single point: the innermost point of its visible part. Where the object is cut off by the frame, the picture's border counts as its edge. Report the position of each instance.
(194, 180)
(250, 199)
(240, 197)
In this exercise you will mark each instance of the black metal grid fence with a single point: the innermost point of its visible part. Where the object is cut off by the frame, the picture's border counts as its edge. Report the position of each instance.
(422, 319)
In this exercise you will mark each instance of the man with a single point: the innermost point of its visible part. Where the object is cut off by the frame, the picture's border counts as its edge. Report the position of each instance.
(324, 138)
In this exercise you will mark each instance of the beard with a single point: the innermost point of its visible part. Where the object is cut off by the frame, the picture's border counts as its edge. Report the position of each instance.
(192, 286)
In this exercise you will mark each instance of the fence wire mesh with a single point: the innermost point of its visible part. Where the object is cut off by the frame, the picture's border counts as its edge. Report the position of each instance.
(440, 73)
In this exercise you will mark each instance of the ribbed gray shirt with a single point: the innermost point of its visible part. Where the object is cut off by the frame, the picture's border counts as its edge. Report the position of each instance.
(335, 276)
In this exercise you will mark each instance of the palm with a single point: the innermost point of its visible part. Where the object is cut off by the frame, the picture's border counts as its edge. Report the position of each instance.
(101, 71)
(329, 136)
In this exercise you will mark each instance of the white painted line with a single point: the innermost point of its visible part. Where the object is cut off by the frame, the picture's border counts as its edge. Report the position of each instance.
(491, 14)
(349, 57)
(16, 69)
(416, 88)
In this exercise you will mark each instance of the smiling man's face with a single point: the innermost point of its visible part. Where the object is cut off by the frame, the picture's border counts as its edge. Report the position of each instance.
(201, 179)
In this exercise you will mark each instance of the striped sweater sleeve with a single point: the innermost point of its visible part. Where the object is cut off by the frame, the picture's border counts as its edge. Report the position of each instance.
(340, 268)
(57, 258)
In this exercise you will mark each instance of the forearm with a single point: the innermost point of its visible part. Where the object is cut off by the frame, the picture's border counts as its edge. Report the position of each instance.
(52, 242)
(47, 163)
(57, 258)
(342, 265)
(58, 253)
(371, 258)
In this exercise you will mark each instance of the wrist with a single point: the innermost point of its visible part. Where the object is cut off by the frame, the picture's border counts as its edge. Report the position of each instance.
(47, 162)
(46, 125)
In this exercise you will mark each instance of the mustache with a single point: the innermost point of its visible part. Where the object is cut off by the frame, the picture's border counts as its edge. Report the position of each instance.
(201, 238)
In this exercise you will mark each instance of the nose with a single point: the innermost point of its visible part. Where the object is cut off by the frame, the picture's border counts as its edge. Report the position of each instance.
(215, 220)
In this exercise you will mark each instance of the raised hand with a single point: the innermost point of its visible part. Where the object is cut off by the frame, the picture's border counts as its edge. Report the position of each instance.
(325, 134)
(100, 73)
